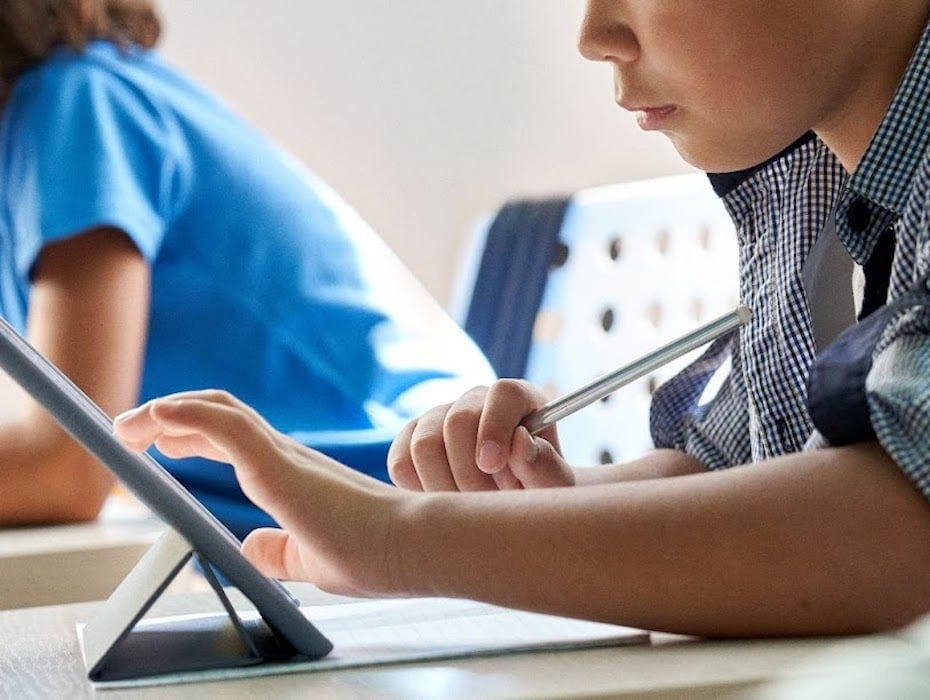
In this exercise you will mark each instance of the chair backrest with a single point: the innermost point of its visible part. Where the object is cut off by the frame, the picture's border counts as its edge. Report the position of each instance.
(634, 265)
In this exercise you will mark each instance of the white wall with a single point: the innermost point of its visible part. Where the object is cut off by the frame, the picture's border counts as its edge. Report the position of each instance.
(424, 114)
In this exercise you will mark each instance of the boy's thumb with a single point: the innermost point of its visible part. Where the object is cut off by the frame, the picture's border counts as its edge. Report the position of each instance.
(536, 463)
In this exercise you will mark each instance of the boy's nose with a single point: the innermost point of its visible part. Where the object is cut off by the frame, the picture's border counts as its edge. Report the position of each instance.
(605, 36)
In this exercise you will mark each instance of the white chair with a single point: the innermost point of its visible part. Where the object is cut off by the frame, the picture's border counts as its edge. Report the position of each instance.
(635, 265)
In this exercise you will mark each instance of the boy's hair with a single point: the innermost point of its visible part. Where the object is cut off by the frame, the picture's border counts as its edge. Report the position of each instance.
(30, 29)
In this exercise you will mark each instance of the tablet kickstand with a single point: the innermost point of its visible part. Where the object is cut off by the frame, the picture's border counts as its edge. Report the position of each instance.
(119, 644)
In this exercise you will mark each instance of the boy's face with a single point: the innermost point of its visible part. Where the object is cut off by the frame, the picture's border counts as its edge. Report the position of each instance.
(730, 82)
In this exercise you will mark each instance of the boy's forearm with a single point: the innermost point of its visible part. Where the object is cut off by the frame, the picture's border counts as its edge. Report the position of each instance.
(657, 464)
(814, 543)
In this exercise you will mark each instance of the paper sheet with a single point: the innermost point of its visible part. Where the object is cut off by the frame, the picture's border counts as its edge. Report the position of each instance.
(393, 631)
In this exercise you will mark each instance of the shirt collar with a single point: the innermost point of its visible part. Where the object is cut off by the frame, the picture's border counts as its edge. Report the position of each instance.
(886, 172)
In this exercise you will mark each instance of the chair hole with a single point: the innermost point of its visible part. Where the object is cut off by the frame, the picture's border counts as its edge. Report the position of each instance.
(605, 399)
(606, 457)
(560, 256)
(663, 242)
(654, 314)
(607, 320)
(615, 249)
(547, 327)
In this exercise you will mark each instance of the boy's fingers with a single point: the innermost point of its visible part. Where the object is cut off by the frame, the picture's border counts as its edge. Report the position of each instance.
(137, 428)
(278, 554)
(399, 462)
(190, 445)
(207, 424)
(505, 480)
(536, 463)
(176, 423)
(428, 452)
(507, 403)
(460, 435)
(273, 552)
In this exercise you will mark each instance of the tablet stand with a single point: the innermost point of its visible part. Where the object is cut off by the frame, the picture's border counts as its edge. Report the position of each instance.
(116, 646)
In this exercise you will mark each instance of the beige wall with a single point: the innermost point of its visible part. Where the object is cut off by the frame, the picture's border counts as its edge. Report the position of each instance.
(424, 114)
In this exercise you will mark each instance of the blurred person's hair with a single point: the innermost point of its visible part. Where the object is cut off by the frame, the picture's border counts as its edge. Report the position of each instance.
(31, 29)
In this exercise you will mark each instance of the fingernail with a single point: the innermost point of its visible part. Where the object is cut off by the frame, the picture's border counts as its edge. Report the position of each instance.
(126, 415)
(489, 456)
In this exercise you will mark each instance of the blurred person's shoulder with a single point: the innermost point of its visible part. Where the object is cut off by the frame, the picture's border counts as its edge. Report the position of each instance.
(97, 62)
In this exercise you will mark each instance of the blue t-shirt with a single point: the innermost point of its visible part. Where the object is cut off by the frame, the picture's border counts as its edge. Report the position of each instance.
(264, 282)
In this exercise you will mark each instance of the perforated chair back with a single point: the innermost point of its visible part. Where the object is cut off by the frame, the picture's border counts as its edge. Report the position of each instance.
(633, 266)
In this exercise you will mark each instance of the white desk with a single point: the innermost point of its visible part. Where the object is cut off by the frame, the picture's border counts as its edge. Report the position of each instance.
(39, 657)
(74, 563)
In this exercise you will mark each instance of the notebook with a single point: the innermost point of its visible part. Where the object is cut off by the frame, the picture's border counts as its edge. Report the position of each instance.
(120, 647)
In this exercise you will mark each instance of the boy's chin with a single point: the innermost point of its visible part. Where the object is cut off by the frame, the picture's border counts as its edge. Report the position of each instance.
(723, 157)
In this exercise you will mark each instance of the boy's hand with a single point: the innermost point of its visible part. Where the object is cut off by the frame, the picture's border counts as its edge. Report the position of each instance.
(478, 444)
(336, 522)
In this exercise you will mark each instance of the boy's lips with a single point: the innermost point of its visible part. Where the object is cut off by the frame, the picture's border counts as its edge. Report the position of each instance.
(650, 117)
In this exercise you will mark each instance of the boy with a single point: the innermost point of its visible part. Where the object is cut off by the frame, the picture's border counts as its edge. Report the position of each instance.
(826, 531)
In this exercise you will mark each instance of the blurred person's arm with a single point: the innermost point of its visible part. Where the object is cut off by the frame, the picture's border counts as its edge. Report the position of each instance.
(88, 313)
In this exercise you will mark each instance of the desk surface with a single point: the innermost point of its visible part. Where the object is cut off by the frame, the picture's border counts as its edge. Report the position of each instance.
(40, 657)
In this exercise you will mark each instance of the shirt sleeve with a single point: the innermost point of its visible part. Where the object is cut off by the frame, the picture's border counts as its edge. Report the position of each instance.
(898, 387)
(85, 149)
(873, 382)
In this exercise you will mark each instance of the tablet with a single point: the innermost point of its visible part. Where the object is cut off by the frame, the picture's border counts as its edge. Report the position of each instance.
(199, 530)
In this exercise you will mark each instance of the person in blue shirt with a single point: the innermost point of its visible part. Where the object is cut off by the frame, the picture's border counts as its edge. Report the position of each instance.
(797, 501)
(152, 241)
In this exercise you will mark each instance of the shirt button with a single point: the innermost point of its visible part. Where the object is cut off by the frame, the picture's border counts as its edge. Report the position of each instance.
(859, 215)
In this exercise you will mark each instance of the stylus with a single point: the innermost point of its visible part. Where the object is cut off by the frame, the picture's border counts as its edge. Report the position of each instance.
(559, 408)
